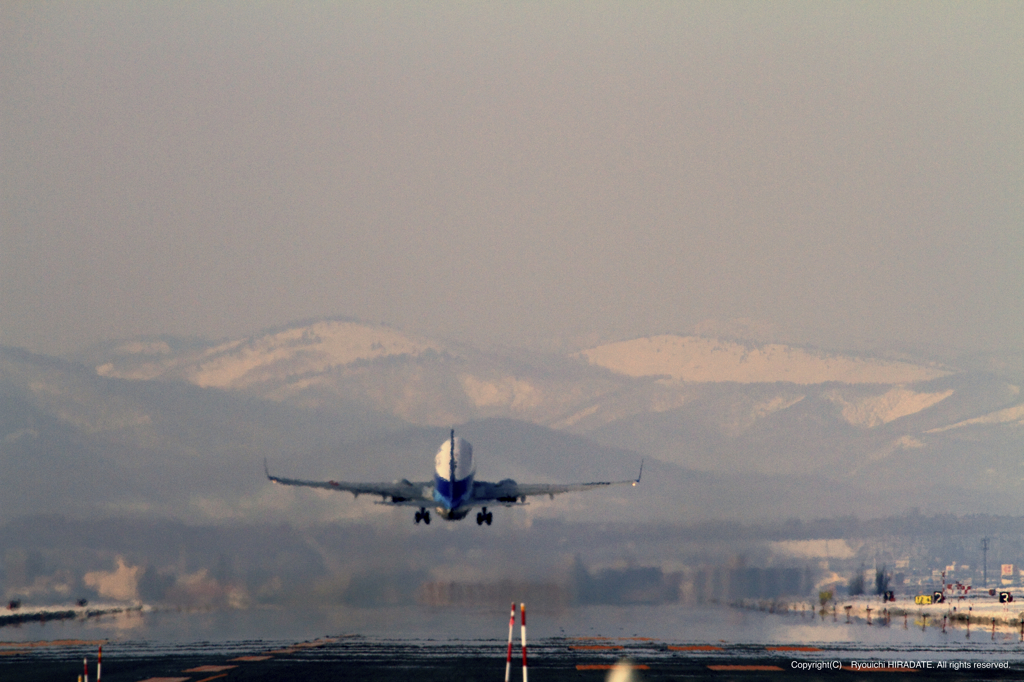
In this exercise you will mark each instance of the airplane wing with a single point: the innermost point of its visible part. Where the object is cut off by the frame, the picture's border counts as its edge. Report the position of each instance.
(400, 492)
(508, 492)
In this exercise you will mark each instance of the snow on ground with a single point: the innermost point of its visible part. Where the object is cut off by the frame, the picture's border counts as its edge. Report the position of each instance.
(981, 610)
(300, 350)
(873, 411)
(814, 549)
(518, 395)
(1010, 415)
(692, 358)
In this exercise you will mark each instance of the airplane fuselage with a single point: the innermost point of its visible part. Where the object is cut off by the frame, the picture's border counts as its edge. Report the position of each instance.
(454, 492)
(453, 479)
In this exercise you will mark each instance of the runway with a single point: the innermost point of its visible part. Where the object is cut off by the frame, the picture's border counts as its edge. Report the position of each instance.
(347, 657)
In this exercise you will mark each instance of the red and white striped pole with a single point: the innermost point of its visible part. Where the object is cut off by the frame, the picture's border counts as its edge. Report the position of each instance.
(511, 625)
(99, 663)
(85, 667)
(522, 609)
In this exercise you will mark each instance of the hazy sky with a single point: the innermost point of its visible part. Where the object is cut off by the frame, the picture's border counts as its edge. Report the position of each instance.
(849, 174)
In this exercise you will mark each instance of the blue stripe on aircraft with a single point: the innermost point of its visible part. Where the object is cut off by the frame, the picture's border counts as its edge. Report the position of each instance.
(451, 496)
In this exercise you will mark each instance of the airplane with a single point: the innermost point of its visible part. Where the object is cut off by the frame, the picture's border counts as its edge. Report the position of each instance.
(454, 492)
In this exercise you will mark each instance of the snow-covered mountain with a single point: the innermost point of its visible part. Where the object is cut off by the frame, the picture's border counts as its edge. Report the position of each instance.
(730, 387)
(306, 350)
(898, 432)
(700, 359)
(712, 404)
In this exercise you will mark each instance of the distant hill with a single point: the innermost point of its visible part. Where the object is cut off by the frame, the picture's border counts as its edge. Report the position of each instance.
(700, 359)
(729, 428)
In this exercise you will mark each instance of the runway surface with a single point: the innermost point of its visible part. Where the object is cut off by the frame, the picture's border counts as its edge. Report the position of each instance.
(347, 657)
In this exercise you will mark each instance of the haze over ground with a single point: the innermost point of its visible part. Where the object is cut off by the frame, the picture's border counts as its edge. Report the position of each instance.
(179, 428)
(774, 248)
(552, 176)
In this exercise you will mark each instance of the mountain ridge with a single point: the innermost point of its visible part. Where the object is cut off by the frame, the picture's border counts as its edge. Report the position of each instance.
(308, 391)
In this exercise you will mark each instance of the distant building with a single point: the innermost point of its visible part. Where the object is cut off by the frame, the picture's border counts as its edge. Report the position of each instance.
(1007, 574)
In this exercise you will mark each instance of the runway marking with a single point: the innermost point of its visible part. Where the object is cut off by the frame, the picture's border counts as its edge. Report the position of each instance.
(750, 668)
(792, 648)
(210, 669)
(58, 642)
(596, 647)
(215, 677)
(295, 648)
(699, 647)
(315, 643)
(251, 659)
(599, 638)
(595, 638)
(607, 666)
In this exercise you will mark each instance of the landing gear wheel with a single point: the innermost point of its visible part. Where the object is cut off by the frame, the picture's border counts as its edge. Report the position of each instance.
(489, 517)
(479, 518)
(422, 515)
(426, 517)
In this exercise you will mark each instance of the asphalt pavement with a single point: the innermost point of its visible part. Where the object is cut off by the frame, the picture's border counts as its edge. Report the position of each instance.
(357, 658)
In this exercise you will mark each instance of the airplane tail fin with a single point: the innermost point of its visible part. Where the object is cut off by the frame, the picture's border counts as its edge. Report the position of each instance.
(451, 460)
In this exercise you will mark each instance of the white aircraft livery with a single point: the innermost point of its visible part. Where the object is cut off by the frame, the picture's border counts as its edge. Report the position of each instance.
(454, 492)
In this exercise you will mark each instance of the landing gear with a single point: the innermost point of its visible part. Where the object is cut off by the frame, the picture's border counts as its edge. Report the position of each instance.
(484, 516)
(423, 515)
